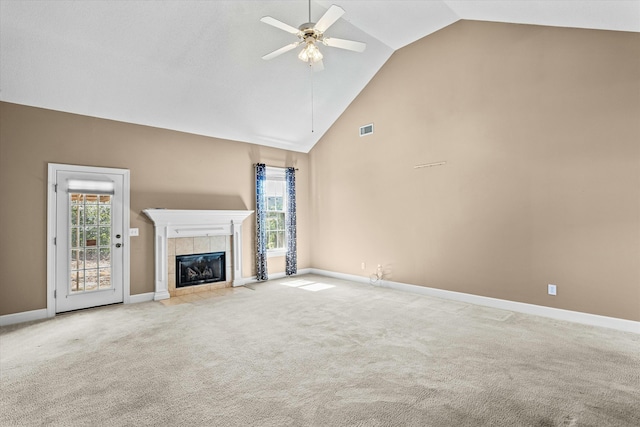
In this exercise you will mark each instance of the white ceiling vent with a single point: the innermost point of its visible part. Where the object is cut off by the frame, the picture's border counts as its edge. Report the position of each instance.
(366, 129)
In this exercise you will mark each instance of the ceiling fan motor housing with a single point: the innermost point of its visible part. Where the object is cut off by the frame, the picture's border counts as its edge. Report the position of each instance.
(307, 30)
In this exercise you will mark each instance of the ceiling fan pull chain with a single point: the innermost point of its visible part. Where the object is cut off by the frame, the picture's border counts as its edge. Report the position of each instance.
(311, 71)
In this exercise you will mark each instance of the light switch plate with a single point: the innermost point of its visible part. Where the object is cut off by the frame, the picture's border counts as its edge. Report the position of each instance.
(134, 232)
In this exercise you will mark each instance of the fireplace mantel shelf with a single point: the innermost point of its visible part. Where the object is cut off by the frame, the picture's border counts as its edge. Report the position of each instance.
(177, 217)
(173, 223)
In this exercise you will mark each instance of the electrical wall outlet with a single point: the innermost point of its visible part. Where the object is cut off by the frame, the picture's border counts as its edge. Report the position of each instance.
(551, 289)
(134, 232)
(363, 265)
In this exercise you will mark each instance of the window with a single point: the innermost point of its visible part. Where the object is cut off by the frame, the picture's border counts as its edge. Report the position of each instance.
(275, 193)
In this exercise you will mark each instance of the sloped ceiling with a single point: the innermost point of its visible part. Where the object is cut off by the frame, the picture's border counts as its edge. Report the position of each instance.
(195, 66)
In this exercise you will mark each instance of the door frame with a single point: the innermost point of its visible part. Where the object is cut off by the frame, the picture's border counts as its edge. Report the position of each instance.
(53, 169)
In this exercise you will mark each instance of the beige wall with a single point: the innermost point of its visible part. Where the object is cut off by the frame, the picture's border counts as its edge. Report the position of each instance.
(168, 169)
(540, 129)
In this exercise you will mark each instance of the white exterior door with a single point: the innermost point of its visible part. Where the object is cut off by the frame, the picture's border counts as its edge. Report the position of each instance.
(89, 238)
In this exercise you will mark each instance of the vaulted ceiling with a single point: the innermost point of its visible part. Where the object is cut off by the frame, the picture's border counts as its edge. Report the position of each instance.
(195, 66)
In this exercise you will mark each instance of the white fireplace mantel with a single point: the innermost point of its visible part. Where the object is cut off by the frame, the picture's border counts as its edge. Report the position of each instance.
(173, 223)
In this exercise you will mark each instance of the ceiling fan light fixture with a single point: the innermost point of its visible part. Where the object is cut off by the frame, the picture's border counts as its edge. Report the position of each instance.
(310, 53)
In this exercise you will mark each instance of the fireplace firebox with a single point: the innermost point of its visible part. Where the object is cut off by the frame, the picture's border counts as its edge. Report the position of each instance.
(198, 269)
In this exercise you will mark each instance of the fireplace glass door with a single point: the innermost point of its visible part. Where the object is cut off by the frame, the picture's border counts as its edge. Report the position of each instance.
(198, 269)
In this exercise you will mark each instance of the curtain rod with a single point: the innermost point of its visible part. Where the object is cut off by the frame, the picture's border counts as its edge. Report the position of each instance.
(275, 167)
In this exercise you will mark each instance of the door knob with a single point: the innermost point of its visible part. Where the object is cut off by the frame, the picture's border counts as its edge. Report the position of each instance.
(118, 245)
(118, 236)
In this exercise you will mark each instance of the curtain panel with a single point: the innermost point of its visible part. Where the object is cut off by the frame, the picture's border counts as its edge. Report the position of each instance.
(290, 223)
(261, 223)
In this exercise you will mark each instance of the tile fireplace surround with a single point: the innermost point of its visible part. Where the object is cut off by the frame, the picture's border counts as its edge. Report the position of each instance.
(179, 227)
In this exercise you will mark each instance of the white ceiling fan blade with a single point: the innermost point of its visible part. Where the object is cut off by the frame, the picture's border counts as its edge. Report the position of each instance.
(345, 44)
(280, 51)
(279, 24)
(331, 15)
(317, 66)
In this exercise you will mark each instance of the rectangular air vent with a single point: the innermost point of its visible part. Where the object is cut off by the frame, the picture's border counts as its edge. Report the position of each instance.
(366, 129)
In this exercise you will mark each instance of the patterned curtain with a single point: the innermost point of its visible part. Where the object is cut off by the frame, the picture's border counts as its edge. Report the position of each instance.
(290, 222)
(261, 223)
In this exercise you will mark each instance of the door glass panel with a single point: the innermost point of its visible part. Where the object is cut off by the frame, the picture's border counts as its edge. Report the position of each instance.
(105, 257)
(77, 280)
(91, 258)
(90, 242)
(105, 213)
(105, 278)
(91, 215)
(77, 237)
(77, 259)
(105, 236)
(91, 236)
(91, 279)
(77, 215)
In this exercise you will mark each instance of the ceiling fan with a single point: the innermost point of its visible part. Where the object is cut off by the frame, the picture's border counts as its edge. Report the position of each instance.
(310, 34)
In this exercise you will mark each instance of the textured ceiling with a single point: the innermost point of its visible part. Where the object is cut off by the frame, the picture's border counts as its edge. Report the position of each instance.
(195, 66)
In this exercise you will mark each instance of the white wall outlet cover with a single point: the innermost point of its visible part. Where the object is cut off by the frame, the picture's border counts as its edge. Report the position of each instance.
(551, 289)
(134, 232)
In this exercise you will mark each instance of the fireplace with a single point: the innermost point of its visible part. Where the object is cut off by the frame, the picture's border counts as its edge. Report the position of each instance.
(197, 269)
(178, 226)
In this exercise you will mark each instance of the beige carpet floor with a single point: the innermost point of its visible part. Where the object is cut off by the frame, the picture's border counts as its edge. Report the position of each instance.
(314, 351)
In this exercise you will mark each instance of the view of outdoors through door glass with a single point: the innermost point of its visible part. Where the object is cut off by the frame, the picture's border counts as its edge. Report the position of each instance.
(90, 242)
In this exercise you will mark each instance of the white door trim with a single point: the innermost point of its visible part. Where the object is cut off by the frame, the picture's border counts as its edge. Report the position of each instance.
(51, 227)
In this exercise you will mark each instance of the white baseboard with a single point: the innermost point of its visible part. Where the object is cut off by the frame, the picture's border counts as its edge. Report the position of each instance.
(25, 316)
(537, 310)
(272, 276)
(520, 307)
(28, 316)
(134, 299)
